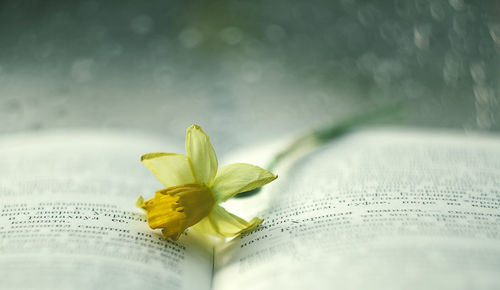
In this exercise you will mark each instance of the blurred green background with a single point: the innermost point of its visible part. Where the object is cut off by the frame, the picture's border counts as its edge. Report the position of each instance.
(246, 71)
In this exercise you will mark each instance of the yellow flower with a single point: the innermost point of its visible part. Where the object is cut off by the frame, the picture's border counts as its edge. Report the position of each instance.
(194, 189)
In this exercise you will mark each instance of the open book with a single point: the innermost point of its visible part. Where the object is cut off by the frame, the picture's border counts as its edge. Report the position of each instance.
(376, 209)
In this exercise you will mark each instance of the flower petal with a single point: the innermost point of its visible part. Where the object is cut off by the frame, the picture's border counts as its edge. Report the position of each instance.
(201, 154)
(205, 226)
(229, 225)
(171, 169)
(239, 177)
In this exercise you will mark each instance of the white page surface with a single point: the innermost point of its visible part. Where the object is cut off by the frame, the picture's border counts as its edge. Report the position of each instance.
(68, 220)
(382, 209)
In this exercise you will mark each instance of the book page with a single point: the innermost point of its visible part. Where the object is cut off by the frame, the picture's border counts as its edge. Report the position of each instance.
(381, 209)
(68, 220)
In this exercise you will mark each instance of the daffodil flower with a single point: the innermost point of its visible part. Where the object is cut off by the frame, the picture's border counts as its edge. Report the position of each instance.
(194, 189)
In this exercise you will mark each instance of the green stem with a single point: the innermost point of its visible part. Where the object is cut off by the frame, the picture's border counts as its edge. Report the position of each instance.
(323, 135)
(332, 131)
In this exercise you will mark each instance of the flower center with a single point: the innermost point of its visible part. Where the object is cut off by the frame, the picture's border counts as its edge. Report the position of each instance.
(176, 208)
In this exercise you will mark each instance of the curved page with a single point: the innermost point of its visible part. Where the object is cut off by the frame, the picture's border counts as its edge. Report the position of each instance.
(381, 209)
(68, 220)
